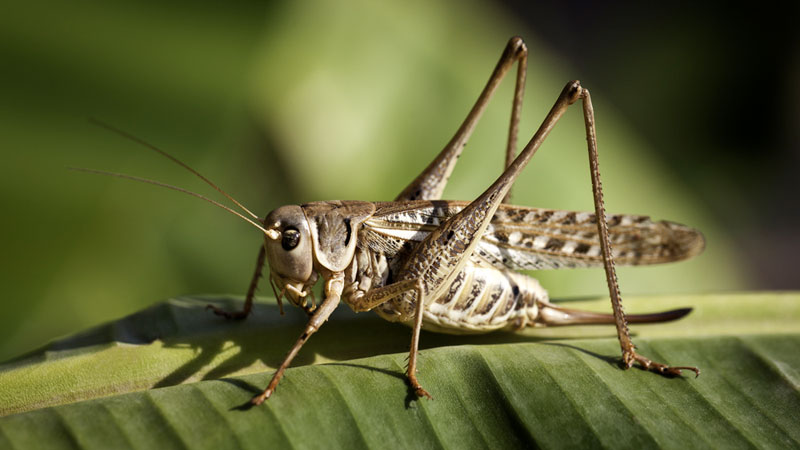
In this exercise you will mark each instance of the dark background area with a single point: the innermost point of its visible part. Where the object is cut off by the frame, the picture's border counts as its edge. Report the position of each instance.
(724, 79)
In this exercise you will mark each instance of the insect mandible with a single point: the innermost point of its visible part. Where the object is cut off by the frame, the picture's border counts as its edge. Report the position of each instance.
(449, 266)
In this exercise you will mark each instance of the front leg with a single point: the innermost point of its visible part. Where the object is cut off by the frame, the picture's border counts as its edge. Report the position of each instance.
(333, 292)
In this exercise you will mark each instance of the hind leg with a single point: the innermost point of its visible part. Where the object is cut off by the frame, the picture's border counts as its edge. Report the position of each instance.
(430, 184)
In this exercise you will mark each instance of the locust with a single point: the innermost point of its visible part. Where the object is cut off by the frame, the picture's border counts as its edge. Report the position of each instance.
(452, 266)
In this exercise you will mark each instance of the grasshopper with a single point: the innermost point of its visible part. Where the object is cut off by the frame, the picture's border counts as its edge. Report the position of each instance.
(449, 266)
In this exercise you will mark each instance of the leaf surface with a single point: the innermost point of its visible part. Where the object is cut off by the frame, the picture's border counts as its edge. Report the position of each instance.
(174, 375)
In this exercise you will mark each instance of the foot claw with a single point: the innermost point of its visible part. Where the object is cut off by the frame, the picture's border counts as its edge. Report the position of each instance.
(418, 391)
(693, 369)
(260, 398)
(422, 393)
(663, 369)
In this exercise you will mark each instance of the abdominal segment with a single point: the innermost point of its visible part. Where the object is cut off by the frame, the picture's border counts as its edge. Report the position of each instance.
(480, 299)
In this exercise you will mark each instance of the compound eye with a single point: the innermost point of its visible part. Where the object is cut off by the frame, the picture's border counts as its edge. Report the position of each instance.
(291, 237)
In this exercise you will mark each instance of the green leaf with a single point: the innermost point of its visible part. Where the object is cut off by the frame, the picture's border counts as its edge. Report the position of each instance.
(174, 375)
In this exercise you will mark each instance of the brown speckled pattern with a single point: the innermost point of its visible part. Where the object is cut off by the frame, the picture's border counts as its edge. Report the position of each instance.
(486, 294)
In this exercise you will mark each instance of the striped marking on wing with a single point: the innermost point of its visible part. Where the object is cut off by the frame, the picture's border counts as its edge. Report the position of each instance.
(533, 238)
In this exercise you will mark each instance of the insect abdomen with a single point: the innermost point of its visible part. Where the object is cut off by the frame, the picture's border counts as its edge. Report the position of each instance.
(483, 299)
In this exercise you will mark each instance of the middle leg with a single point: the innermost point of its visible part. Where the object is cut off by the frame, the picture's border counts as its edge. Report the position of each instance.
(378, 296)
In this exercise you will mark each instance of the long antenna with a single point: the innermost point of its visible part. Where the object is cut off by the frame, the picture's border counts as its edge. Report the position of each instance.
(174, 188)
(168, 156)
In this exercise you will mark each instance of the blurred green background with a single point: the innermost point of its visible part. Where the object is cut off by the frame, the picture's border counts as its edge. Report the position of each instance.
(287, 102)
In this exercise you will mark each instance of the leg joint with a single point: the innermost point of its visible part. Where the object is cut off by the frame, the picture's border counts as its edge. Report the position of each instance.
(516, 46)
(573, 92)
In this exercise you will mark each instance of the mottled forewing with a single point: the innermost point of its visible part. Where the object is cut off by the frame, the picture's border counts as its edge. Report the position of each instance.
(396, 227)
(533, 238)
